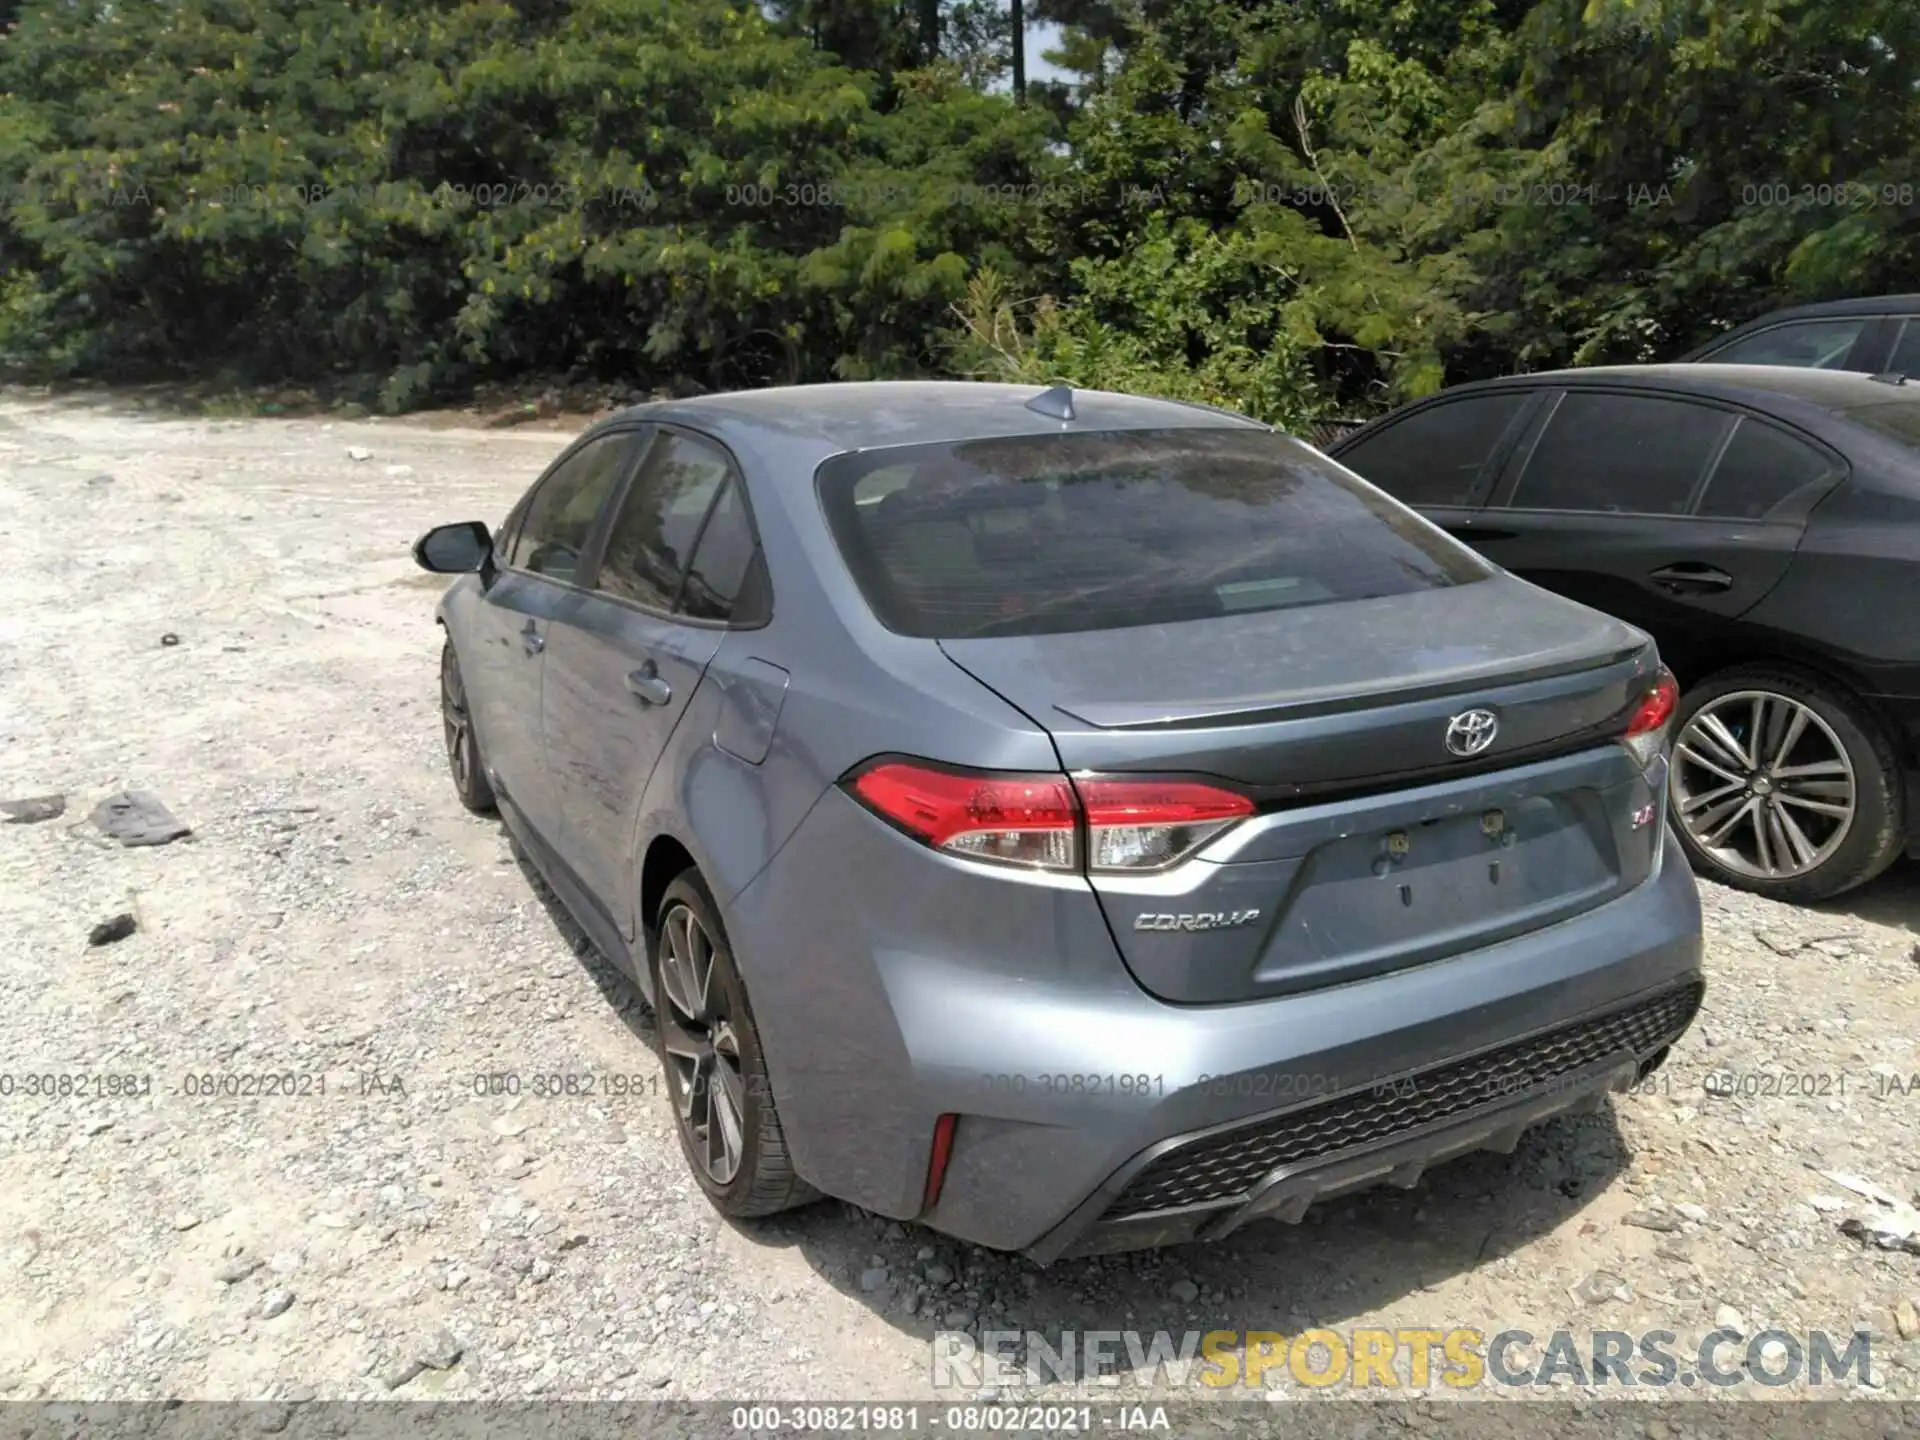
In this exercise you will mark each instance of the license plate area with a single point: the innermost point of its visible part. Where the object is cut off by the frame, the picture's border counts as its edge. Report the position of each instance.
(1443, 880)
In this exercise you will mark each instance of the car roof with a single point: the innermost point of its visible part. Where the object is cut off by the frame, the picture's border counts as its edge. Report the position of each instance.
(1854, 305)
(1825, 403)
(1836, 390)
(861, 415)
(1814, 310)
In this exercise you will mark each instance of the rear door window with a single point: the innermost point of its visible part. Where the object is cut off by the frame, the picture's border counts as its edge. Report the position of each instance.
(1808, 344)
(1761, 470)
(1621, 454)
(660, 518)
(721, 561)
(1036, 535)
(1435, 456)
(560, 514)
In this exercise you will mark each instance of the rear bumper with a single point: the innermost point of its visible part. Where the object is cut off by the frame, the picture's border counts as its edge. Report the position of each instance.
(888, 993)
(1206, 1185)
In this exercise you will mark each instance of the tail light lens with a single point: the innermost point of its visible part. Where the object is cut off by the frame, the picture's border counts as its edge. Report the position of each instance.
(1651, 720)
(1015, 819)
(1038, 820)
(1148, 824)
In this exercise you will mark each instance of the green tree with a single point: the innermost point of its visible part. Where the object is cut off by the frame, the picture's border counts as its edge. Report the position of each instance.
(1300, 150)
(644, 188)
(1738, 157)
(1297, 208)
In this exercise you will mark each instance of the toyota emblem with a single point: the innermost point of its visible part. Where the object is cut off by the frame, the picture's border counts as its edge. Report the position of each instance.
(1472, 731)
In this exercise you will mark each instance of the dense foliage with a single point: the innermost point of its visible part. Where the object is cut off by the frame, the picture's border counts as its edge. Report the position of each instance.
(1291, 206)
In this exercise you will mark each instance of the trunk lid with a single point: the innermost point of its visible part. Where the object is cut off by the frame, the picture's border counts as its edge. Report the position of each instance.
(1376, 846)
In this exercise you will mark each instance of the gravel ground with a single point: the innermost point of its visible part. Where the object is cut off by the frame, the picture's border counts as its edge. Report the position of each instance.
(373, 1222)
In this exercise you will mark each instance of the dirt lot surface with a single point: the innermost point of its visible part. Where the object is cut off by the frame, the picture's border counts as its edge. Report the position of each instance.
(370, 1221)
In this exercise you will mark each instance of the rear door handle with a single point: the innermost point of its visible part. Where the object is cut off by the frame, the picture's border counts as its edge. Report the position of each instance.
(649, 685)
(1689, 577)
(531, 639)
(1470, 532)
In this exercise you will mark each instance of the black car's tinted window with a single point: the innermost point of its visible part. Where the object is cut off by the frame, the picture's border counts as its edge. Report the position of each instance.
(1761, 466)
(660, 519)
(1809, 344)
(560, 515)
(1906, 351)
(1433, 456)
(1037, 535)
(720, 560)
(1620, 454)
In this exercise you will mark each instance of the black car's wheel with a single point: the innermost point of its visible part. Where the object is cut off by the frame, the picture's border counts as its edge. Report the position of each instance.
(1783, 785)
(463, 747)
(710, 1050)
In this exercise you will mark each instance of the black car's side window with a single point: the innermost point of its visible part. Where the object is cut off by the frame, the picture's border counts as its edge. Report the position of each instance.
(1761, 467)
(1906, 351)
(1807, 344)
(1434, 456)
(653, 536)
(1621, 454)
(560, 516)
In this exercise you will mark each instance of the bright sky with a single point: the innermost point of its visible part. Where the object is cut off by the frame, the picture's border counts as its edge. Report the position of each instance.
(1040, 39)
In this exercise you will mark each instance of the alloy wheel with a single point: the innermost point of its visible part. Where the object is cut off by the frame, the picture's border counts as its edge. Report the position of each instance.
(1763, 785)
(702, 1048)
(454, 718)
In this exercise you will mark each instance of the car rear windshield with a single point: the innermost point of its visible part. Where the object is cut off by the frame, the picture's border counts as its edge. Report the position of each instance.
(1898, 418)
(1038, 535)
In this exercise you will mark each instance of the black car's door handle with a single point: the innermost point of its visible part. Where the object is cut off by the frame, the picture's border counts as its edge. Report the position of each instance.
(1689, 577)
(530, 638)
(1470, 532)
(647, 683)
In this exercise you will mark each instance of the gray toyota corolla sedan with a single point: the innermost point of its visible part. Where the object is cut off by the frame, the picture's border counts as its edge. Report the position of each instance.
(1072, 821)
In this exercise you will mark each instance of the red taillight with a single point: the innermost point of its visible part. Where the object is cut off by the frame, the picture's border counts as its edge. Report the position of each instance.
(1017, 819)
(1656, 707)
(1646, 735)
(1035, 820)
(1144, 824)
(937, 1161)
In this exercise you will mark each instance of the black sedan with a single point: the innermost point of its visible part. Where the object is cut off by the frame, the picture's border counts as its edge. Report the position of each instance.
(1763, 524)
(1874, 334)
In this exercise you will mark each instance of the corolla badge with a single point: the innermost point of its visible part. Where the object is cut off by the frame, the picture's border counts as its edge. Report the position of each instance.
(1472, 731)
(1205, 920)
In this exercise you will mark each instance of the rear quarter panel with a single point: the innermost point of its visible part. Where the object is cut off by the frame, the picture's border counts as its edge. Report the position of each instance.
(1853, 589)
(1850, 603)
(852, 690)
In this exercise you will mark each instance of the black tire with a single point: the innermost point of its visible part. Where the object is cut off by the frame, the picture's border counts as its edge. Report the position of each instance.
(1870, 840)
(718, 1025)
(462, 744)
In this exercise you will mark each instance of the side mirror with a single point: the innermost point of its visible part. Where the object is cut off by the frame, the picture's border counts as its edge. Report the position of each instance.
(454, 549)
